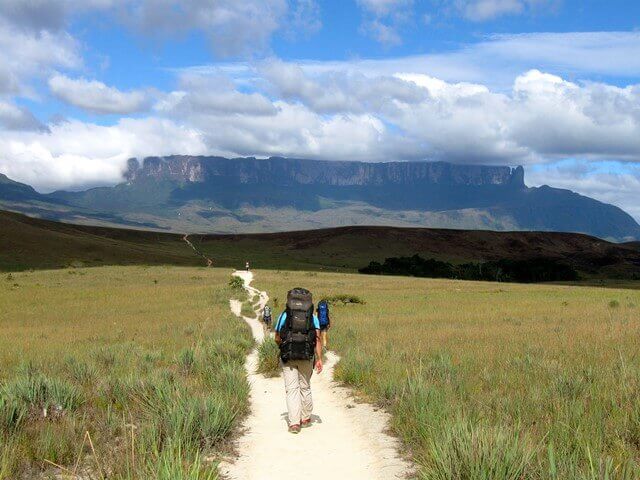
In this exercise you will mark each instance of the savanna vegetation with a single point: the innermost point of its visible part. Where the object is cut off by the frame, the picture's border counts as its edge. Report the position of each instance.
(119, 372)
(491, 381)
(532, 270)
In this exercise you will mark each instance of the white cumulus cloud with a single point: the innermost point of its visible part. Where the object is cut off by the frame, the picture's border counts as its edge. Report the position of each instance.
(76, 154)
(96, 97)
(25, 55)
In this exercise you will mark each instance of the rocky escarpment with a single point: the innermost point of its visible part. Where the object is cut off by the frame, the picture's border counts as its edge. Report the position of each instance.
(214, 194)
(281, 171)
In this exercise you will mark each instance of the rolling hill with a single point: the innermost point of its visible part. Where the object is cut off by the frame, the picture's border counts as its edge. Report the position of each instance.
(28, 243)
(248, 195)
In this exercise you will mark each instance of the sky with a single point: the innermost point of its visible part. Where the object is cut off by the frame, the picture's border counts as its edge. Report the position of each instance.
(553, 85)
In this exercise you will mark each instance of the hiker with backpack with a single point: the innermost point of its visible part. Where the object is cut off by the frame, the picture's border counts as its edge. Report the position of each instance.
(324, 320)
(266, 316)
(298, 336)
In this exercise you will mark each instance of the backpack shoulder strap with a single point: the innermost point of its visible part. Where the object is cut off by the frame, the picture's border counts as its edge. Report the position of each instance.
(310, 314)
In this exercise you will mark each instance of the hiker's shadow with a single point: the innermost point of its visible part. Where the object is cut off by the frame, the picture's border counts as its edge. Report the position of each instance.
(314, 418)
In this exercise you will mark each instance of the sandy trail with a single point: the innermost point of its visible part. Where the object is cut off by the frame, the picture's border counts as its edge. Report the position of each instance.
(197, 250)
(346, 441)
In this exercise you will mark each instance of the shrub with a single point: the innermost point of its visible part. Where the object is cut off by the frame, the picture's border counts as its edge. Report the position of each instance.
(505, 270)
(344, 299)
(236, 283)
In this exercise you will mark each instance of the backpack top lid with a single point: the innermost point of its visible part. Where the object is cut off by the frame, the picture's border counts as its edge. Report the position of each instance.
(299, 299)
(299, 310)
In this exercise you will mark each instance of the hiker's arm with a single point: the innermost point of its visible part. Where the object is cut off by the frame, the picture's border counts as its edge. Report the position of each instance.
(277, 328)
(318, 352)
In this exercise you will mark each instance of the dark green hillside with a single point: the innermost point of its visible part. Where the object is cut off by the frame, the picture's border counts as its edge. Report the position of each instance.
(27, 243)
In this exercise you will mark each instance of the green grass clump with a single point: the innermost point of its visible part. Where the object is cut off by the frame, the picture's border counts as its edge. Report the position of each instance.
(36, 391)
(269, 358)
(465, 450)
(177, 462)
(12, 414)
(187, 360)
(236, 283)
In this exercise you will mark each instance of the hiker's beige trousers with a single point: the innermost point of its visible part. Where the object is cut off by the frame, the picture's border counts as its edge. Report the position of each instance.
(297, 383)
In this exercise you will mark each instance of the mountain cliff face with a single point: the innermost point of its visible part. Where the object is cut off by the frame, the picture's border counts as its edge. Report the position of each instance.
(285, 171)
(214, 194)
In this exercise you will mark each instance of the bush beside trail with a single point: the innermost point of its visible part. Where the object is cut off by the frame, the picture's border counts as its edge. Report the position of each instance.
(269, 358)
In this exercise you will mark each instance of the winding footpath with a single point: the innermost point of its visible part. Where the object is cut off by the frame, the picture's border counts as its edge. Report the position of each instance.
(348, 440)
(197, 250)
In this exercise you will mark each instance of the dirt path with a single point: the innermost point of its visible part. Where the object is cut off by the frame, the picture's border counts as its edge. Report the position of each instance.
(197, 250)
(346, 441)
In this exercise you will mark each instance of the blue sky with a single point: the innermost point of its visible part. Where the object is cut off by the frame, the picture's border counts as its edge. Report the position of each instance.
(550, 84)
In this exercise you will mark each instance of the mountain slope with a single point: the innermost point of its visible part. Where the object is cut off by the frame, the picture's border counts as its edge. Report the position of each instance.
(15, 191)
(214, 194)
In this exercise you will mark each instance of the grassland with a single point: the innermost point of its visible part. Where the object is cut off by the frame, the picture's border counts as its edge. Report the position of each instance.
(118, 372)
(492, 381)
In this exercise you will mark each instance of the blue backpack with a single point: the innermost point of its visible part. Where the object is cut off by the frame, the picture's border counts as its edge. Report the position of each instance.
(323, 313)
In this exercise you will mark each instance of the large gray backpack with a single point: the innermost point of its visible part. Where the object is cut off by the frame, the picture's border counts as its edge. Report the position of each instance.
(298, 332)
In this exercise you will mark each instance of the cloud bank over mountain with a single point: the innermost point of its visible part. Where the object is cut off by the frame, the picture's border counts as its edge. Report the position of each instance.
(494, 101)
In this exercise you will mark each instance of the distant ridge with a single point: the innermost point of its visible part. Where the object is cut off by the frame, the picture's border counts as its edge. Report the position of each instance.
(33, 243)
(215, 194)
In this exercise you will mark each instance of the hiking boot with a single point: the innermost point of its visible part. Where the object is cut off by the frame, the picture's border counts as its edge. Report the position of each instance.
(305, 423)
(294, 428)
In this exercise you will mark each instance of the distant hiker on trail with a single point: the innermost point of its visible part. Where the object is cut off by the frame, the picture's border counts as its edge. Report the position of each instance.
(324, 320)
(266, 316)
(246, 266)
(298, 335)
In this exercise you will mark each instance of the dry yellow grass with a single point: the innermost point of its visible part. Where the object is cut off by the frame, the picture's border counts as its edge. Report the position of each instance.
(47, 314)
(548, 375)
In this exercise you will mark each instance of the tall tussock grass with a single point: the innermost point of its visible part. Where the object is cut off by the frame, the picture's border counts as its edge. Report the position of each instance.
(269, 358)
(466, 450)
(488, 381)
(141, 404)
